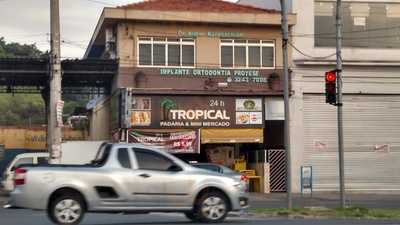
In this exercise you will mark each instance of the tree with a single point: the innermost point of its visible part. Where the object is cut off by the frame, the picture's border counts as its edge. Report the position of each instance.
(28, 109)
(15, 50)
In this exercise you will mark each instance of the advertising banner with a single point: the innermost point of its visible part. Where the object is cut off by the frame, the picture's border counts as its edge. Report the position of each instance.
(195, 112)
(59, 113)
(172, 142)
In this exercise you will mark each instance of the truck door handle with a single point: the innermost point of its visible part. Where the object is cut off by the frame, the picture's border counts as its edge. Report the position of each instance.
(145, 175)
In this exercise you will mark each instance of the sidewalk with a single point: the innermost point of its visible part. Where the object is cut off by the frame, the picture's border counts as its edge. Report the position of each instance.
(330, 200)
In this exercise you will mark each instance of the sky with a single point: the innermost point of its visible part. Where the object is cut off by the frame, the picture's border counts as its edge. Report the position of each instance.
(28, 22)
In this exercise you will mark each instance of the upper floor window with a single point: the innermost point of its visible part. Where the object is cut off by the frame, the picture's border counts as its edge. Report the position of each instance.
(247, 53)
(160, 51)
(365, 24)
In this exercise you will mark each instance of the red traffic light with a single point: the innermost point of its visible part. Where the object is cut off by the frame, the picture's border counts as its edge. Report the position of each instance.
(330, 76)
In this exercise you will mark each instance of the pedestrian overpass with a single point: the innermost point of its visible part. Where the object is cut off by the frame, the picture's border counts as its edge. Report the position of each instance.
(80, 76)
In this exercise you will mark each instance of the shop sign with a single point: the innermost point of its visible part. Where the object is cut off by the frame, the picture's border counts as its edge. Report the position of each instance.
(195, 111)
(211, 34)
(173, 142)
(59, 113)
(230, 75)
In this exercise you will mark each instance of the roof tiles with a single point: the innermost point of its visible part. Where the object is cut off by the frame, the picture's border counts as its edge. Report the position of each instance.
(196, 6)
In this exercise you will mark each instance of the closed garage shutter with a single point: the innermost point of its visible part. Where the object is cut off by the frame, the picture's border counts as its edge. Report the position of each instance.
(371, 142)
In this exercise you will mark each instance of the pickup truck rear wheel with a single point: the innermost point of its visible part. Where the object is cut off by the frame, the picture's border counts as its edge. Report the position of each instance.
(67, 209)
(211, 207)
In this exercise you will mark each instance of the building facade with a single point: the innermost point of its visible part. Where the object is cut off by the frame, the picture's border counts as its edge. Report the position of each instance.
(199, 77)
(371, 95)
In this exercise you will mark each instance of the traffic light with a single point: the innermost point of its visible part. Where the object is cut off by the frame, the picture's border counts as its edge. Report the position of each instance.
(330, 87)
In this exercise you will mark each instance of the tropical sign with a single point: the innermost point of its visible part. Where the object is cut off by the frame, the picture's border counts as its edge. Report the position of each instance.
(195, 112)
(172, 142)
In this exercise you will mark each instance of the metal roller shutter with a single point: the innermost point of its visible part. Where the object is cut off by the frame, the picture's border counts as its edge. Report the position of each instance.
(371, 139)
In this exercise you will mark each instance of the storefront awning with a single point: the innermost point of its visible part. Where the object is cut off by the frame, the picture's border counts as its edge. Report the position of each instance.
(239, 135)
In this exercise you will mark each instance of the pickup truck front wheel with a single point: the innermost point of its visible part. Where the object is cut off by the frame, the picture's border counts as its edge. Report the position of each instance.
(67, 209)
(211, 207)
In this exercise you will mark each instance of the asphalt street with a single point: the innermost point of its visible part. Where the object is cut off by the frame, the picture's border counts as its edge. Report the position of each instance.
(29, 217)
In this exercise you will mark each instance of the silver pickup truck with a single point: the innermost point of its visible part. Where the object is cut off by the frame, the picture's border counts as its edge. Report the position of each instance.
(127, 178)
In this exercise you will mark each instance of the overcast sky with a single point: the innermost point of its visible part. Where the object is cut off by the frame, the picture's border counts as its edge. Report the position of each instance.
(27, 21)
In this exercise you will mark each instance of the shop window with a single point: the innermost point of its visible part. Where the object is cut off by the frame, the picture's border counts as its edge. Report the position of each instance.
(166, 52)
(365, 24)
(273, 134)
(247, 54)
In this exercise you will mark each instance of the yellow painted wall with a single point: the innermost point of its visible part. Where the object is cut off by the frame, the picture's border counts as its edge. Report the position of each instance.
(34, 138)
(100, 126)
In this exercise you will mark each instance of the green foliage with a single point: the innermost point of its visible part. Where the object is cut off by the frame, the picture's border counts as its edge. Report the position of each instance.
(15, 50)
(28, 109)
(21, 110)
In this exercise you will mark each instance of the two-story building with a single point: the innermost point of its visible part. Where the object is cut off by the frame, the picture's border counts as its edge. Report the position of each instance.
(195, 76)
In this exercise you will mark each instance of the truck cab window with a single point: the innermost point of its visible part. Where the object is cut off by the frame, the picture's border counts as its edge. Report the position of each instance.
(102, 155)
(123, 158)
(148, 160)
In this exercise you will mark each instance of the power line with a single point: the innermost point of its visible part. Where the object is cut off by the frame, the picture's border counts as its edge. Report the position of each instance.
(101, 2)
(309, 56)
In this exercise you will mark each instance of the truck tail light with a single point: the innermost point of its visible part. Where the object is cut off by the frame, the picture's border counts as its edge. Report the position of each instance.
(19, 176)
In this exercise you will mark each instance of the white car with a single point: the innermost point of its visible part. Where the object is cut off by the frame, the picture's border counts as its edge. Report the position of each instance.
(24, 158)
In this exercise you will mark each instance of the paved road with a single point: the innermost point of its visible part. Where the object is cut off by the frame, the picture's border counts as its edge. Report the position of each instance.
(28, 217)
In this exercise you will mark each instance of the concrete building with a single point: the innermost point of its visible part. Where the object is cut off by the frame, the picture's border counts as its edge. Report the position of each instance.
(371, 59)
(200, 77)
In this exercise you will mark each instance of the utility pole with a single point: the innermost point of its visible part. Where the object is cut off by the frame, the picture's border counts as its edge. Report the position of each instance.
(339, 99)
(54, 145)
(285, 40)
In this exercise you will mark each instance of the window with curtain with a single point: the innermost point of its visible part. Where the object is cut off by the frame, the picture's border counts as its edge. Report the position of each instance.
(247, 53)
(166, 52)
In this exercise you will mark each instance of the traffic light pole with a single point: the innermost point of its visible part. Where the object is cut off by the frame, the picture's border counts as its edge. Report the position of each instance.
(54, 127)
(285, 40)
(339, 99)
